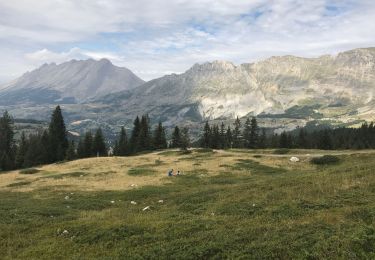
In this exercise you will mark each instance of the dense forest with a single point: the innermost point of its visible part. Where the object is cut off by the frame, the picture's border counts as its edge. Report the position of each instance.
(53, 145)
(251, 136)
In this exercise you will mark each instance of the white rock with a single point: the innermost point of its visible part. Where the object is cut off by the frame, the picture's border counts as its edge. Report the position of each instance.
(112, 201)
(294, 159)
(161, 201)
(146, 208)
(133, 202)
(65, 232)
(253, 204)
(66, 197)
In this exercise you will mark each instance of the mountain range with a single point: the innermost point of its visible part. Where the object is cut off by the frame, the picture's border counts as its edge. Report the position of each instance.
(284, 92)
(69, 82)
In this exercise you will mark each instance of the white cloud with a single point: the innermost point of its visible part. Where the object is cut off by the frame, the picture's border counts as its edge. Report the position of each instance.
(156, 37)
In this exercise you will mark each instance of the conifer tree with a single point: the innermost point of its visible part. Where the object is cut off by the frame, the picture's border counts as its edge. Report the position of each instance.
(205, 141)
(228, 138)
(134, 139)
(222, 136)
(45, 144)
(236, 135)
(325, 142)
(247, 133)
(185, 138)
(254, 133)
(58, 142)
(71, 152)
(21, 151)
(99, 147)
(144, 134)
(176, 138)
(159, 138)
(284, 142)
(7, 146)
(81, 153)
(36, 153)
(215, 137)
(263, 139)
(302, 140)
(122, 144)
(88, 145)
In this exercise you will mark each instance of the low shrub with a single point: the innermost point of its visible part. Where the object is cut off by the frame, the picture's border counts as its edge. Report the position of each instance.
(141, 171)
(281, 151)
(29, 171)
(204, 150)
(324, 160)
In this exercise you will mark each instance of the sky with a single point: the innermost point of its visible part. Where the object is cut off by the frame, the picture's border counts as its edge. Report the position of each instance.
(154, 38)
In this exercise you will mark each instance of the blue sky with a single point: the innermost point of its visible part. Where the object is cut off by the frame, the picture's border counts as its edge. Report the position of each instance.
(154, 38)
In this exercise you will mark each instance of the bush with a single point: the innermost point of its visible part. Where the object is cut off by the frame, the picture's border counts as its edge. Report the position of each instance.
(281, 151)
(186, 151)
(326, 159)
(29, 171)
(204, 150)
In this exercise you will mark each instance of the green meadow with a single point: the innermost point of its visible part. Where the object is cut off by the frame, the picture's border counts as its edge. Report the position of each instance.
(235, 204)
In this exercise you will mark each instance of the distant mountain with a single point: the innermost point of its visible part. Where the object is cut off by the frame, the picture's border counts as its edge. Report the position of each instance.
(284, 92)
(69, 82)
(338, 87)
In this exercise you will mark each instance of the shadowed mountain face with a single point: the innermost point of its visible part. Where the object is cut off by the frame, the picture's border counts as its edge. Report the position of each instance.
(284, 92)
(69, 82)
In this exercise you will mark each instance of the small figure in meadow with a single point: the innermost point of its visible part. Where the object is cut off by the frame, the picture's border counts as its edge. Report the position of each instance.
(170, 173)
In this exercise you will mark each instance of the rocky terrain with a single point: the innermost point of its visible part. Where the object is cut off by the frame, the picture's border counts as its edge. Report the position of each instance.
(284, 92)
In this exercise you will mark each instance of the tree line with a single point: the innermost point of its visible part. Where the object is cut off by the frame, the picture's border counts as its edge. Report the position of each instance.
(53, 145)
(251, 136)
(143, 138)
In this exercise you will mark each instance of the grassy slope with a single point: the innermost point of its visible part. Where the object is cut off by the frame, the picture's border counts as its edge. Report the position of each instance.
(226, 205)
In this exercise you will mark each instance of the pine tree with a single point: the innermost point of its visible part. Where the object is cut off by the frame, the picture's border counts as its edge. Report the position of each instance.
(71, 152)
(205, 141)
(185, 138)
(159, 138)
(228, 138)
(81, 153)
(284, 142)
(45, 144)
(247, 133)
(176, 138)
(215, 137)
(325, 141)
(222, 136)
(7, 146)
(144, 134)
(88, 145)
(99, 147)
(236, 135)
(58, 142)
(263, 139)
(254, 133)
(302, 139)
(134, 139)
(36, 154)
(122, 145)
(21, 151)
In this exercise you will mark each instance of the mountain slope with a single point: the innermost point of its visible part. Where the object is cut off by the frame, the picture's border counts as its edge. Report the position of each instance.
(284, 92)
(333, 85)
(69, 82)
